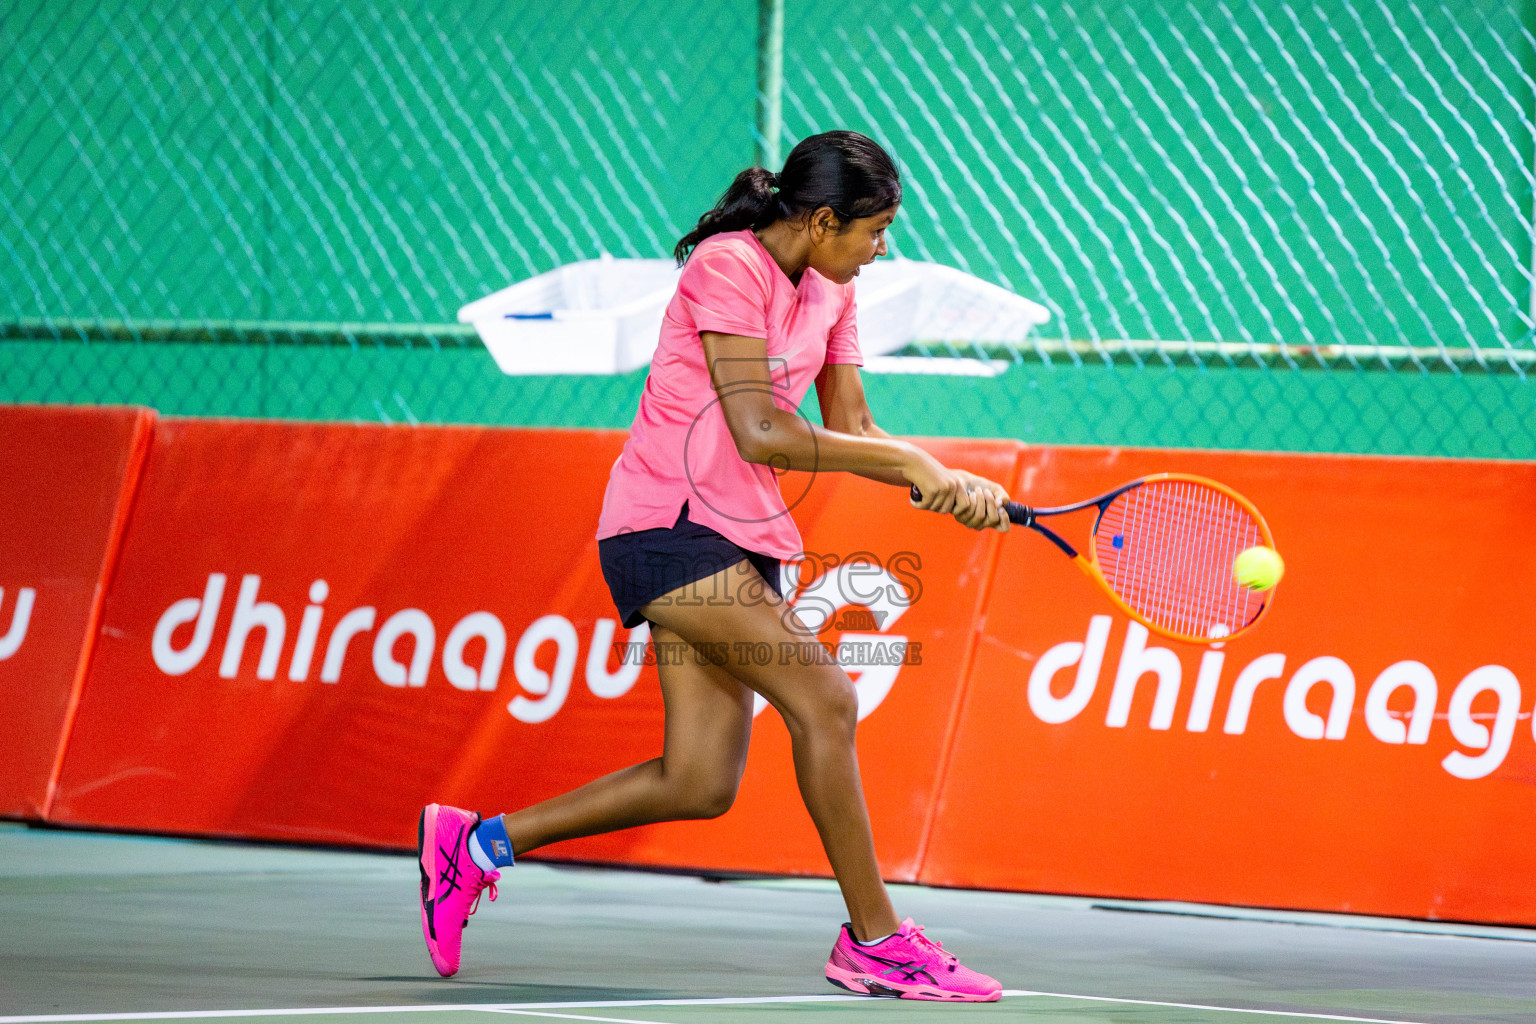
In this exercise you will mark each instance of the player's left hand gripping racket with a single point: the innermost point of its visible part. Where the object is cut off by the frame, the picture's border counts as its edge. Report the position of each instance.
(1162, 547)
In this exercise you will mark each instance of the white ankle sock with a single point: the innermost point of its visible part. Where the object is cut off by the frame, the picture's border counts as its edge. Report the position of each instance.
(478, 855)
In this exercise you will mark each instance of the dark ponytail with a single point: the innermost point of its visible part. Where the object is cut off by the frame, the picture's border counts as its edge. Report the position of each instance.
(748, 203)
(843, 170)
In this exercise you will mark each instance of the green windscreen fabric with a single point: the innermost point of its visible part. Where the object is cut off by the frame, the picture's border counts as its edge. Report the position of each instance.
(1256, 224)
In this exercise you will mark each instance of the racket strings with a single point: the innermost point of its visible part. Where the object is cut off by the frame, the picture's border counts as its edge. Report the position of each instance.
(1166, 549)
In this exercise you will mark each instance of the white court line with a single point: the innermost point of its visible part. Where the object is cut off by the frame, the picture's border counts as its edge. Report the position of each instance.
(525, 1009)
(1222, 1009)
(305, 1011)
(577, 1016)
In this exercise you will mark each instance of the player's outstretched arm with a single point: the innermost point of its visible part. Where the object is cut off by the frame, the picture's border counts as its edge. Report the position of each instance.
(840, 392)
(768, 435)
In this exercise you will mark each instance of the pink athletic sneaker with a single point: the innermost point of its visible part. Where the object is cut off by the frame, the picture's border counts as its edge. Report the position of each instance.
(907, 965)
(451, 881)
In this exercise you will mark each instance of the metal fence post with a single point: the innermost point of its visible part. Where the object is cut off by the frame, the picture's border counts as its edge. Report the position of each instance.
(770, 81)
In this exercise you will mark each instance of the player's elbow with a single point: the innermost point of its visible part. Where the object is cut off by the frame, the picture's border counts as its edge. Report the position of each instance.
(755, 450)
(859, 426)
(756, 438)
(840, 424)
(859, 423)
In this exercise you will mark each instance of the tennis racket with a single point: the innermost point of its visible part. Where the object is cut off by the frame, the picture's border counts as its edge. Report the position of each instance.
(1162, 548)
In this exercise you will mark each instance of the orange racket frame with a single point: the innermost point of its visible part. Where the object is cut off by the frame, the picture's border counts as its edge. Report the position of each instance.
(1026, 516)
(1215, 553)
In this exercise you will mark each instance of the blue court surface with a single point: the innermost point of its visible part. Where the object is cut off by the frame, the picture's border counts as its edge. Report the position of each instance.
(101, 927)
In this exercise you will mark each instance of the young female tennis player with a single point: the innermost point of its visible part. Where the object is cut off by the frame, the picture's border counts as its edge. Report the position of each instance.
(764, 306)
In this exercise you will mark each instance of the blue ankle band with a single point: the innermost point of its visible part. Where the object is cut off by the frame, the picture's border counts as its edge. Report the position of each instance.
(491, 834)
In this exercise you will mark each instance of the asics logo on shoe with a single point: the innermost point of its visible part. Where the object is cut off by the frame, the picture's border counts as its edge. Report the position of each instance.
(448, 880)
(450, 873)
(910, 970)
(451, 883)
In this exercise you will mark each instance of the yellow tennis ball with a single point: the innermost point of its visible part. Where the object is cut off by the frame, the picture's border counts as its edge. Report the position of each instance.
(1258, 568)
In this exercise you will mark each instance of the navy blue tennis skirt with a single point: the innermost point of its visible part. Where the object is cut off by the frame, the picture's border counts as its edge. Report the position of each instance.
(642, 565)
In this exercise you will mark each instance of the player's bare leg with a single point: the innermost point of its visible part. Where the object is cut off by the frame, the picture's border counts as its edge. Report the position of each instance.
(708, 725)
(704, 752)
(818, 704)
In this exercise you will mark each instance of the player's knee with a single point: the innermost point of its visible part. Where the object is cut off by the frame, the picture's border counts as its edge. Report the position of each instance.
(714, 803)
(836, 707)
(706, 796)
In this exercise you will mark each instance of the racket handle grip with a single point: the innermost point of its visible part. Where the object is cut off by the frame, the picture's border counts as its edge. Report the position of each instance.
(1020, 515)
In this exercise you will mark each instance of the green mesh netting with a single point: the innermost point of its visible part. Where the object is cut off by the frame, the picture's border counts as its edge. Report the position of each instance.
(1257, 224)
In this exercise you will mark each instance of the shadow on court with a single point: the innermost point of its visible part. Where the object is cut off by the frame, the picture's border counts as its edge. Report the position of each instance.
(94, 925)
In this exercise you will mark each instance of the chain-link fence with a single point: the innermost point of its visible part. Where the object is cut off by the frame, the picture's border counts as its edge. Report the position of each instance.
(1258, 224)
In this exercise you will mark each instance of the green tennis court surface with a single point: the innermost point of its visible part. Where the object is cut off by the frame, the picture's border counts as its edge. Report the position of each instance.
(100, 927)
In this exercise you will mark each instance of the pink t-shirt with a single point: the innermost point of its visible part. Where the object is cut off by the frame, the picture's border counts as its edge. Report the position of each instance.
(679, 448)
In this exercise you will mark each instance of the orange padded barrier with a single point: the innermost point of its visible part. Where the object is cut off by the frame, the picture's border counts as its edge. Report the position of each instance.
(68, 477)
(313, 629)
(317, 628)
(1369, 748)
